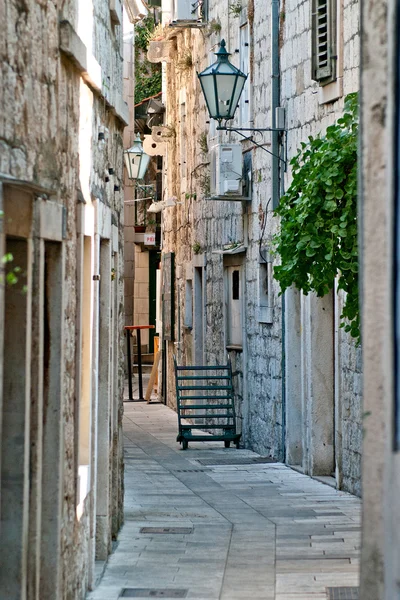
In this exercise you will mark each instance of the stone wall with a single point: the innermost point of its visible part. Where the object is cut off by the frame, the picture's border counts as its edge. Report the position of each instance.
(54, 103)
(380, 531)
(212, 225)
(309, 110)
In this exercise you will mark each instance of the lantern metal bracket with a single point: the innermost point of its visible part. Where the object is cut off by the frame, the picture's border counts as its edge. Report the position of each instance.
(146, 189)
(239, 130)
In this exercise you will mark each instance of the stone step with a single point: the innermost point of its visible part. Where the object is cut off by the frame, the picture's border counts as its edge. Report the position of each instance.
(146, 368)
(147, 358)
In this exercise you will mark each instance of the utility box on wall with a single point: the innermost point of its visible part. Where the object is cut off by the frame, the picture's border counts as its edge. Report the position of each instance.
(186, 11)
(226, 171)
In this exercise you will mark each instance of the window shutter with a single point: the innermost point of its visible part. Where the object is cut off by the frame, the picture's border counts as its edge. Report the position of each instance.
(324, 40)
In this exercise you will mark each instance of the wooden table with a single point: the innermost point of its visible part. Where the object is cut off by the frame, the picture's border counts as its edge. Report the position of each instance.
(128, 330)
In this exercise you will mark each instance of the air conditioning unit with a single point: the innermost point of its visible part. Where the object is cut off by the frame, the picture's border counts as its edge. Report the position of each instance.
(226, 171)
(187, 11)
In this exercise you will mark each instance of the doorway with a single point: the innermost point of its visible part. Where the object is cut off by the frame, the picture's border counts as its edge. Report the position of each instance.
(154, 265)
(198, 321)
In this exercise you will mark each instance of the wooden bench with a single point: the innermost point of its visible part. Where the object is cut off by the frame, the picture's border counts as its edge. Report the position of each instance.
(205, 397)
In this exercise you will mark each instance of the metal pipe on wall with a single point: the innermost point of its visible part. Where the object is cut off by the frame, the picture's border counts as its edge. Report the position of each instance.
(275, 175)
(275, 100)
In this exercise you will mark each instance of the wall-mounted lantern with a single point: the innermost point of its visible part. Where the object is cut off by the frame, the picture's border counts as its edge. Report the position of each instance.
(136, 160)
(222, 84)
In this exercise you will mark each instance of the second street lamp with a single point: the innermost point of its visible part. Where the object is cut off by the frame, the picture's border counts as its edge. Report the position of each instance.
(136, 160)
(222, 84)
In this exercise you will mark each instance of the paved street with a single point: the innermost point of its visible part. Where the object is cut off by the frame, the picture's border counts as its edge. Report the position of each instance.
(244, 529)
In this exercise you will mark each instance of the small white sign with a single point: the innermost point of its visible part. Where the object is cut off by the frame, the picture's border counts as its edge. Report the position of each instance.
(150, 239)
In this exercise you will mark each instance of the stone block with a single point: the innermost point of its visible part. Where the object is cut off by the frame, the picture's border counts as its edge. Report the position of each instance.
(161, 51)
(72, 46)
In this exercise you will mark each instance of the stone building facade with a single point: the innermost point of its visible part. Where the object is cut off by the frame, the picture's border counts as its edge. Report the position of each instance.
(297, 373)
(379, 206)
(61, 293)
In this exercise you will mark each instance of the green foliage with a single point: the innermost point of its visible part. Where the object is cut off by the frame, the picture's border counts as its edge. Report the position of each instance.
(318, 236)
(203, 142)
(9, 274)
(143, 31)
(196, 247)
(148, 80)
(147, 75)
(214, 26)
(185, 63)
(235, 8)
(12, 274)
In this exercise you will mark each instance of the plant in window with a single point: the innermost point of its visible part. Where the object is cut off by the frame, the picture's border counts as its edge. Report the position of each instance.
(317, 241)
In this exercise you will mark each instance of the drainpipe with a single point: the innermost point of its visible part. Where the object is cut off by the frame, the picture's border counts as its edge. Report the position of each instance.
(275, 99)
(275, 181)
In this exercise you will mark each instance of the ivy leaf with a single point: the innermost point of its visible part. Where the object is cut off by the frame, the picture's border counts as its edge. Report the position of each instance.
(330, 205)
(310, 251)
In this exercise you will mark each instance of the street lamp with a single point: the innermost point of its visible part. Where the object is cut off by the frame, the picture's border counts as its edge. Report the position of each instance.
(136, 160)
(222, 84)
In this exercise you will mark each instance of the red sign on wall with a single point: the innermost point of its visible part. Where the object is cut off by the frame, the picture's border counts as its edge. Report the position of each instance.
(150, 239)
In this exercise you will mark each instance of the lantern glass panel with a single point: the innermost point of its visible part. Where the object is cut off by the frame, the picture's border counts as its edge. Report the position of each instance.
(208, 85)
(143, 164)
(229, 88)
(136, 160)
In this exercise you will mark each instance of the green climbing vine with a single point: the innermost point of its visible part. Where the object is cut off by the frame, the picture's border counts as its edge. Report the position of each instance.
(9, 274)
(147, 74)
(317, 241)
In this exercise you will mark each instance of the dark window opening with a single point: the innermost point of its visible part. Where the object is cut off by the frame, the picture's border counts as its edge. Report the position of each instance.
(235, 285)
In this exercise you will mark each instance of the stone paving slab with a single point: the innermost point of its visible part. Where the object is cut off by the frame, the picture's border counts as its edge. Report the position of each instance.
(259, 531)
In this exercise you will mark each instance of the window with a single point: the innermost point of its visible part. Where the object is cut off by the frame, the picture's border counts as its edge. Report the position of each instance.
(324, 41)
(265, 278)
(234, 301)
(188, 322)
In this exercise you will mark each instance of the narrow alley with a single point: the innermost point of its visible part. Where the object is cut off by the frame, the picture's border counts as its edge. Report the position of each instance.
(213, 523)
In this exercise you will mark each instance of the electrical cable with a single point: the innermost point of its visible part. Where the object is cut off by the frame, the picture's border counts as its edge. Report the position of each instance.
(264, 258)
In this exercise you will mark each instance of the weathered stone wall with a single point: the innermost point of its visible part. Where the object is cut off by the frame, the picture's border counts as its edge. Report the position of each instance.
(380, 547)
(350, 425)
(310, 109)
(49, 125)
(211, 225)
